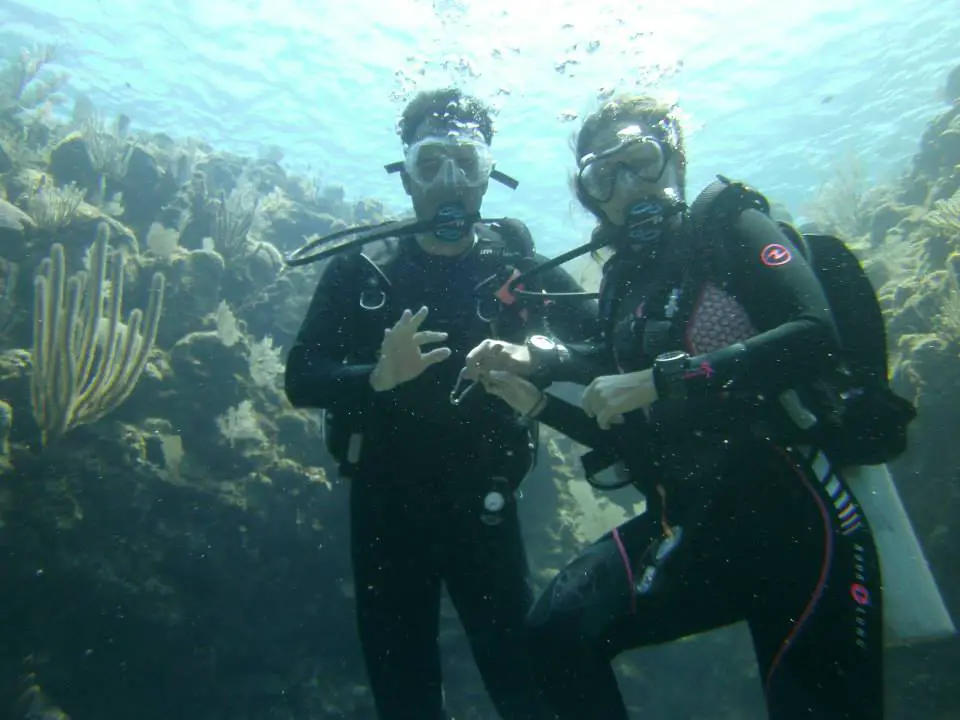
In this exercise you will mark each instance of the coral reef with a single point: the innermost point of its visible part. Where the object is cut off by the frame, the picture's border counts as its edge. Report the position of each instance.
(86, 361)
(180, 550)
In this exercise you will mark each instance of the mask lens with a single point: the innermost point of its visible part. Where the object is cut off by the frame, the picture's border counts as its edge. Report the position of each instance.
(452, 160)
(642, 157)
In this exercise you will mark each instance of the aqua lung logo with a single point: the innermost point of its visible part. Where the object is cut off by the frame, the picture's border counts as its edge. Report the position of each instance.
(845, 509)
(775, 255)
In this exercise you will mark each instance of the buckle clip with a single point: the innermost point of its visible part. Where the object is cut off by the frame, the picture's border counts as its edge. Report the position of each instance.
(503, 294)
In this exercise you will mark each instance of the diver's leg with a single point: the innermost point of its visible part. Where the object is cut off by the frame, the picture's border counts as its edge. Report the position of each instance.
(398, 601)
(818, 630)
(486, 576)
(631, 588)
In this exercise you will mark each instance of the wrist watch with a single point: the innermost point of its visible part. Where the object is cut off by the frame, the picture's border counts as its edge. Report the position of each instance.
(668, 371)
(545, 352)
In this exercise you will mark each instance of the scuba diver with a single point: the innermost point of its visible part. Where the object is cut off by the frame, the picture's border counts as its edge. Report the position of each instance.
(434, 468)
(730, 386)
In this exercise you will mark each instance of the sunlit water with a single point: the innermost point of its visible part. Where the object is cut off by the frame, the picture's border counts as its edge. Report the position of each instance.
(773, 92)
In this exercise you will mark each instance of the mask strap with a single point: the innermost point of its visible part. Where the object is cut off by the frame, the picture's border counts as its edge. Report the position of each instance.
(500, 177)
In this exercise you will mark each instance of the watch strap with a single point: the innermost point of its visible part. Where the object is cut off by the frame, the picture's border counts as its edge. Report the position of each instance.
(668, 374)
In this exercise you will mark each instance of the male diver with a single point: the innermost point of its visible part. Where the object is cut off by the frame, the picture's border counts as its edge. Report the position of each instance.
(433, 469)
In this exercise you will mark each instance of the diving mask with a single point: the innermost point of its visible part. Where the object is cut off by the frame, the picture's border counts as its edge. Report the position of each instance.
(639, 156)
(454, 160)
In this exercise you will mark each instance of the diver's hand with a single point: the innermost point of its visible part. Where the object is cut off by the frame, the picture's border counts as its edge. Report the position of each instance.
(609, 397)
(501, 356)
(522, 395)
(400, 357)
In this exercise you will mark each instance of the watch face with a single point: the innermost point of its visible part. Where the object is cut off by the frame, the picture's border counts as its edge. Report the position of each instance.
(673, 355)
(541, 342)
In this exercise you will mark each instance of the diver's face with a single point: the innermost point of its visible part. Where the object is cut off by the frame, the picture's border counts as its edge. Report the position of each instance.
(625, 163)
(447, 163)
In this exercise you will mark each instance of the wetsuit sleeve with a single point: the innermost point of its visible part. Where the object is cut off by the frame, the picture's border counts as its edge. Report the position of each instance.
(782, 296)
(574, 319)
(632, 442)
(575, 324)
(583, 362)
(572, 421)
(316, 375)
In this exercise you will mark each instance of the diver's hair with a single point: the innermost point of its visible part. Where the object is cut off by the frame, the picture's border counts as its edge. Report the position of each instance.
(660, 118)
(449, 104)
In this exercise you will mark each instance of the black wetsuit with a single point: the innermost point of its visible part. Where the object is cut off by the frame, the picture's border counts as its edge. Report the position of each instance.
(424, 469)
(739, 524)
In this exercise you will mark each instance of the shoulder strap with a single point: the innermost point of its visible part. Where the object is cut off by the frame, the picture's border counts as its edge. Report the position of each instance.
(506, 241)
(722, 201)
(713, 214)
(506, 251)
(376, 261)
(798, 239)
(610, 292)
(516, 236)
(505, 247)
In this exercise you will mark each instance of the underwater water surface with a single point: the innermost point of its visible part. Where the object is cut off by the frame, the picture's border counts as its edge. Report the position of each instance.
(776, 94)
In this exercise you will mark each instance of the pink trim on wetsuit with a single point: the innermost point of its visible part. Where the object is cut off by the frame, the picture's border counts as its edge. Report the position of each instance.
(825, 564)
(626, 564)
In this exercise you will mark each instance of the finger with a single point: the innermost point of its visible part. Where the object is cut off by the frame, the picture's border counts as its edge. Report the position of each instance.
(616, 420)
(435, 356)
(476, 352)
(604, 418)
(487, 352)
(502, 390)
(491, 386)
(429, 336)
(480, 357)
(404, 319)
(519, 392)
(406, 324)
(588, 400)
(496, 356)
(483, 351)
(417, 319)
(498, 391)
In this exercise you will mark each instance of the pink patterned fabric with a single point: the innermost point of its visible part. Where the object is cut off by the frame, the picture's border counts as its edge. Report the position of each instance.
(718, 320)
